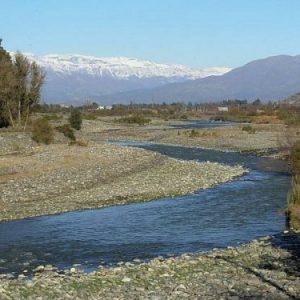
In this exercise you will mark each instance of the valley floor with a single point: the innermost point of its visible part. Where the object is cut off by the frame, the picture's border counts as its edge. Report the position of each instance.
(58, 178)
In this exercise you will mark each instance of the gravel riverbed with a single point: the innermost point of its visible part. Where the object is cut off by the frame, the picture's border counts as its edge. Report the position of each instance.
(258, 270)
(265, 137)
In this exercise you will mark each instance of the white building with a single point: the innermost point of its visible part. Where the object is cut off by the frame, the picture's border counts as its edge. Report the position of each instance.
(223, 108)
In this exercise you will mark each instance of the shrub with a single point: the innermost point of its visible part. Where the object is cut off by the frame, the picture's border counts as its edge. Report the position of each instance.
(294, 200)
(67, 131)
(193, 133)
(75, 119)
(248, 129)
(89, 116)
(42, 131)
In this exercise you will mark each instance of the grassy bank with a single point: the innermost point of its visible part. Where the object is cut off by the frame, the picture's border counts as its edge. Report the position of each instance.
(294, 201)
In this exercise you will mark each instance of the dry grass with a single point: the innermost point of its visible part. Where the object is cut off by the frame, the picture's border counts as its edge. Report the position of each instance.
(294, 214)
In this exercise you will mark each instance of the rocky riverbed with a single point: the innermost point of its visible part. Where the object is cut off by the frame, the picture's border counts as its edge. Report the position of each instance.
(258, 270)
(37, 180)
(59, 178)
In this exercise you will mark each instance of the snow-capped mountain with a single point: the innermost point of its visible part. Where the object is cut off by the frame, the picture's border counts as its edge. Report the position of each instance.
(76, 78)
(120, 67)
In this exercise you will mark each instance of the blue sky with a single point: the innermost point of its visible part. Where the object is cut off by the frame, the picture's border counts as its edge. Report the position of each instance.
(192, 32)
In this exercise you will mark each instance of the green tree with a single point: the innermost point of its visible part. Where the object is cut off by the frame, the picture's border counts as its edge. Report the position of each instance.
(75, 119)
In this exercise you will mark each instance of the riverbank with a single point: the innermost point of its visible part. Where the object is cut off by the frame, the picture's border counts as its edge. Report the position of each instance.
(258, 270)
(59, 178)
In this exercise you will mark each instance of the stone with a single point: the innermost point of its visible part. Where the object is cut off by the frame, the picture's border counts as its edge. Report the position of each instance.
(126, 279)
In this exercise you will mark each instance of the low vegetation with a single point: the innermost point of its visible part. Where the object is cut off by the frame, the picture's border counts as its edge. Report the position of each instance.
(248, 129)
(135, 119)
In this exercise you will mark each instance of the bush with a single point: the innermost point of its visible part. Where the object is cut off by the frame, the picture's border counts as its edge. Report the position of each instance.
(75, 119)
(67, 131)
(52, 117)
(248, 129)
(42, 131)
(293, 211)
(295, 158)
(89, 116)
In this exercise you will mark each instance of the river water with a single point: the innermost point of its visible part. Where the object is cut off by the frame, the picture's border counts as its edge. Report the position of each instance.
(231, 213)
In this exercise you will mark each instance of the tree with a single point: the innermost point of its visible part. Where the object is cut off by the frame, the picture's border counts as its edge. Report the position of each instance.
(7, 83)
(75, 119)
(20, 87)
(29, 80)
(257, 102)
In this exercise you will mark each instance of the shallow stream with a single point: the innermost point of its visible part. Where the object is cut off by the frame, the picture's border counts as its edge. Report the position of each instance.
(231, 213)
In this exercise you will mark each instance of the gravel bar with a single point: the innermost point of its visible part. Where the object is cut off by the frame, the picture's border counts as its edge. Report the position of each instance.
(60, 178)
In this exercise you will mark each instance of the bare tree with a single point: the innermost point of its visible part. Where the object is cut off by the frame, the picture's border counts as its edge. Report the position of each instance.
(20, 87)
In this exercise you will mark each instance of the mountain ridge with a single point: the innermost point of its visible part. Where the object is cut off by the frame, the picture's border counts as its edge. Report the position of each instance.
(271, 78)
(121, 67)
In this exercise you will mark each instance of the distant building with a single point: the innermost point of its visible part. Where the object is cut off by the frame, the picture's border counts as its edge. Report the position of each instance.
(223, 108)
(101, 107)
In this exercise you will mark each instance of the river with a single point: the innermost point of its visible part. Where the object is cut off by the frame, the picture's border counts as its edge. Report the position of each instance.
(235, 212)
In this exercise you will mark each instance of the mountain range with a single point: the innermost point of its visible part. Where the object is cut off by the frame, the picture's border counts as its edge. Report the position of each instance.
(76, 78)
(272, 78)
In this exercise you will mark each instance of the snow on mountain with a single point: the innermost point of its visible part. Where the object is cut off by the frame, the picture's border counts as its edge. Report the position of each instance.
(120, 67)
(72, 79)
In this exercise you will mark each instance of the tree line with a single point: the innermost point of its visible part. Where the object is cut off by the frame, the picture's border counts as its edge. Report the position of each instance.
(20, 88)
